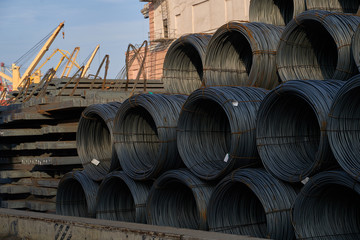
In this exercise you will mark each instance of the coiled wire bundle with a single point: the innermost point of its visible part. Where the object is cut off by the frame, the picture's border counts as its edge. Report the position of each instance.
(328, 208)
(277, 12)
(145, 134)
(183, 64)
(356, 47)
(291, 129)
(345, 6)
(122, 199)
(343, 127)
(317, 45)
(94, 140)
(76, 195)
(179, 199)
(243, 54)
(252, 202)
(216, 130)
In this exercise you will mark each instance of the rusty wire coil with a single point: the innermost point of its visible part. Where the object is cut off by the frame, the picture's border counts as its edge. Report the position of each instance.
(179, 199)
(94, 140)
(216, 130)
(344, 129)
(356, 47)
(76, 195)
(243, 54)
(345, 6)
(252, 202)
(291, 132)
(277, 12)
(183, 64)
(120, 198)
(317, 45)
(328, 208)
(145, 134)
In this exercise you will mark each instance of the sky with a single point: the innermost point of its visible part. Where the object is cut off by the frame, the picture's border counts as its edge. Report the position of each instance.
(111, 23)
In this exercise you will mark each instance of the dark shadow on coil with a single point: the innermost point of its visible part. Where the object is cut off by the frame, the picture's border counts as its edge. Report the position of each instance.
(356, 47)
(252, 202)
(76, 195)
(243, 54)
(122, 199)
(317, 45)
(277, 12)
(344, 6)
(94, 140)
(145, 134)
(291, 129)
(216, 130)
(179, 199)
(183, 64)
(328, 208)
(343, 127)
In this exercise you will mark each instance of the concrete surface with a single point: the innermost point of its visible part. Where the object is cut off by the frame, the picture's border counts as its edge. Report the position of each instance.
(15, 224)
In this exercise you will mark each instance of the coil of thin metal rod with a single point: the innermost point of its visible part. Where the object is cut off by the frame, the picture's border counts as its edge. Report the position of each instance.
(356, 47)
(317, 45)
(120, 198)
(277, 12)
(76, 195)
(343, 127)
(344, 6)
(179, 199)
(243, 54)
(145, 134)
(94, 140)
(291, 132)
(183, 64)
(254, 203)
(328, 208)
(216, 130)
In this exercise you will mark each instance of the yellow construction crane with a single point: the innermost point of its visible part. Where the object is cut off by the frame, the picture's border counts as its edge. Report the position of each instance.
(87, 66)
(16, 79)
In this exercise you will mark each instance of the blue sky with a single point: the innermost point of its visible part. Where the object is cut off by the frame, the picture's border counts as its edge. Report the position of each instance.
(111, 23)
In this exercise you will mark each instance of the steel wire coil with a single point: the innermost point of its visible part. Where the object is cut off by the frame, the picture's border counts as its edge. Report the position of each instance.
(291, 132)
(216, 130)
(243, 54)
(179, 199)
(145, 134)
(317, 45)
(343, 127)
(356, 47)
(120, 198)
(254, 203)
(344, 6)
(94, 140)
(183, 64)
(328, 208)
(76, 195)
(277, 12)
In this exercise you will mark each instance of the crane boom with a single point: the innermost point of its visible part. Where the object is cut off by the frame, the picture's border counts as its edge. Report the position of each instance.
(87, 66)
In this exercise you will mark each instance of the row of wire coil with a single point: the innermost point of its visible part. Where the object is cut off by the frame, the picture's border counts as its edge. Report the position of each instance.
(266, 144)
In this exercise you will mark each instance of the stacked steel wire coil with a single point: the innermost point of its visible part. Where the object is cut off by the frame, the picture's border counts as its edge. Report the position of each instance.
(356, 47)
(94, 140)
(317, 45)
(145, 134)
(243, 54)
(76, 195)
(344, 128)
(216, 130)
(120, 198)
(291, 129)
(345, 6)
(328, 208)
(277, 12)
(179, 199)
(183, 64)
(252, 202)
